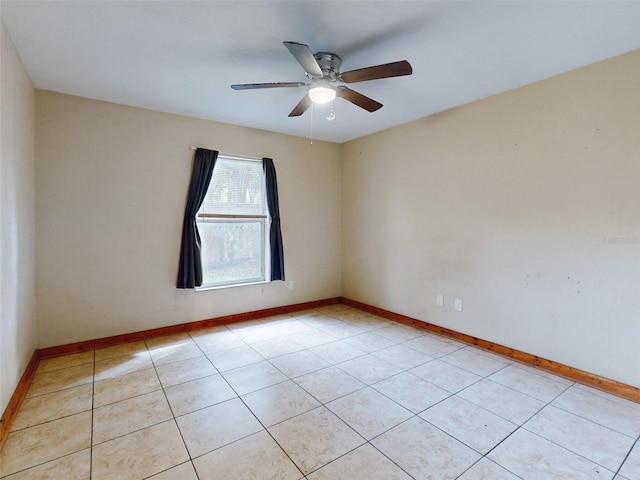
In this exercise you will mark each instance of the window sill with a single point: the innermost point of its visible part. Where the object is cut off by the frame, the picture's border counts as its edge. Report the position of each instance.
(234, 285)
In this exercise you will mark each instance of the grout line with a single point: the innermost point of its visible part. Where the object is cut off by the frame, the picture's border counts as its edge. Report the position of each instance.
(636, 443)
(93, 401)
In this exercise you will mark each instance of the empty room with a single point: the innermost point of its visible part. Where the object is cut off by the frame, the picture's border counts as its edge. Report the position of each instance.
(320, 240)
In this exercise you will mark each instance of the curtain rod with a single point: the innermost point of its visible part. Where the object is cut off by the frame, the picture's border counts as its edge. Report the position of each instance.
(236, 157)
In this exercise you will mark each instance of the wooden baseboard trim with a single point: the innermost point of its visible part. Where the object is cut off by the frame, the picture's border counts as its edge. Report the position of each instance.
(180, 328)
(19, 393)
(605, 384)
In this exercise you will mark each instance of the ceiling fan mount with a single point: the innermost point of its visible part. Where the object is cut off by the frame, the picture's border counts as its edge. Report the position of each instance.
(323, 69)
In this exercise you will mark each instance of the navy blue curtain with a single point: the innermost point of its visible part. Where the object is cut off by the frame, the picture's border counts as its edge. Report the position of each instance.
(190, 269)
(275, 235)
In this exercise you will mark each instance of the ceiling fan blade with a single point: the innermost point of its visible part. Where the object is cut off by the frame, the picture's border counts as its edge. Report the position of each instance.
(305, 57)
(301, 107)
(395, 69)
(358, 99)
(250, 86)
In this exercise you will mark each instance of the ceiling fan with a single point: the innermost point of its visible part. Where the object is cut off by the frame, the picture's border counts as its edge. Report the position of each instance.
(323, 69)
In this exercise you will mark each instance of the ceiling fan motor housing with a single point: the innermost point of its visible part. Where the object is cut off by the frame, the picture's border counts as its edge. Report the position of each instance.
(329, 63)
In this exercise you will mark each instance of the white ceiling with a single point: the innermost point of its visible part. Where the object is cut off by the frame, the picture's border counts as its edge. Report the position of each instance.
(181, 56)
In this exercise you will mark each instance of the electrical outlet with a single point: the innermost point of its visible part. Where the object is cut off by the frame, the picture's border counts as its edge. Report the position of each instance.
(458, 305)
(291, 285)
(440, 300)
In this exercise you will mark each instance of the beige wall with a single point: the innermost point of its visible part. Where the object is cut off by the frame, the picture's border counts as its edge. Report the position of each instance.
(525, 205)
(112, 183)
(17, 205)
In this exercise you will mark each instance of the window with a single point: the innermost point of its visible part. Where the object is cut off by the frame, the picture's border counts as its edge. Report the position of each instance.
(233, 222)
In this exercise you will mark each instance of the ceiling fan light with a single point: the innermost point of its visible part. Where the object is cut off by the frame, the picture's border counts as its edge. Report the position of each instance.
(322, 94)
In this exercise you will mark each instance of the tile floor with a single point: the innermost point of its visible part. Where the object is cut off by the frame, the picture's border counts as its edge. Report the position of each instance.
(325, 394)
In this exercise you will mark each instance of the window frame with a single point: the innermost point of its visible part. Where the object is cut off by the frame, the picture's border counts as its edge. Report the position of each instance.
(225, 218)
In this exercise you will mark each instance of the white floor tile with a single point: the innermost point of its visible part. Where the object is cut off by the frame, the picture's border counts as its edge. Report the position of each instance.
(126, 416)
(315, 438)
(607, 410)
(534, 458)
(54, 380)
(299, 363)
(446, 376)
(584, 437)
(213, 427)
(411, 391)
(130, 348)
(425, 452)
(329, 383)
(399, 333)
(370, 341)
(125, 386)
(164, 355)
(185, 370)
(402, 357)
(54, 405)
(312, 338)
(363, 463)
(217, 339)
(543, 373)
(472, 425)
(253, 377)
(254, 457)
(76, 466)
(369, 369)
(65, 361)
(368, 412)
(279, 402)
(472, 360)
(276, 347)
(342, 330)
(337, 352)
(485, 469)
(234, 358)
(140, 454)
(289, 326)
(536, 386)
(48, 441)
(257, 333)
(199, 393)
(432, 345)
(505, 402)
